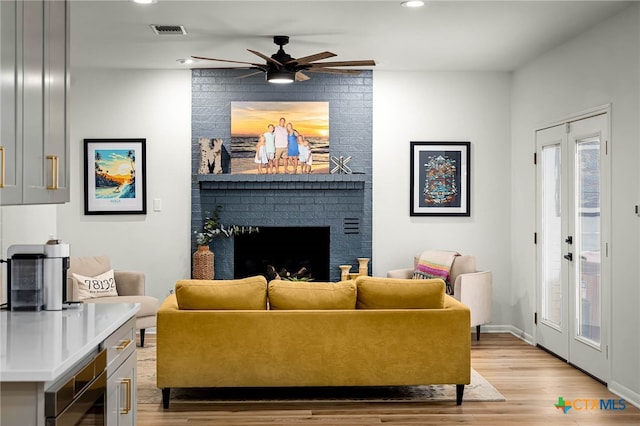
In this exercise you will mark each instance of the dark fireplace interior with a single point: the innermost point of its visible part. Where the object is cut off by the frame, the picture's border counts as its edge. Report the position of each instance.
(286, 249)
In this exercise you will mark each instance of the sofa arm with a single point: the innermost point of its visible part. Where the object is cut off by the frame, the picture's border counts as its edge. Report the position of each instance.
(129, 283)
(475, 291)
(405, 273)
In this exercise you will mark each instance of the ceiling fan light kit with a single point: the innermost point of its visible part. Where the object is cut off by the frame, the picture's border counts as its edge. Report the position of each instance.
(282, 68)
(412, 3)
(280, 76)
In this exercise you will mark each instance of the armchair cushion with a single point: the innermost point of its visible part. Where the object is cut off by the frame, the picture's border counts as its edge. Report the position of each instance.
(389, 293)
(311, 295)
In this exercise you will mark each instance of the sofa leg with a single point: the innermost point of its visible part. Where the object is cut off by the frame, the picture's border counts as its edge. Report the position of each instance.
(477, 332)
(142, 337)
(459, 393)
(166, 394)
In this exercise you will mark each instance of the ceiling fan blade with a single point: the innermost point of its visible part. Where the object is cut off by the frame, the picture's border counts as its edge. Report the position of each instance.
(333, 71)
(364, 63)
(249, 75)
(265, 57)
(311, 58)
(300, 76)
(227, 60)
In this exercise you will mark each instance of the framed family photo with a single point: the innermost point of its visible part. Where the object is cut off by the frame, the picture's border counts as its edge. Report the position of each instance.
(440, 179)
(114, 176)
(280, 137)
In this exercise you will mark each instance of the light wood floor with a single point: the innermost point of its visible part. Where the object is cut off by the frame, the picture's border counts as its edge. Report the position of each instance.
(530, 379)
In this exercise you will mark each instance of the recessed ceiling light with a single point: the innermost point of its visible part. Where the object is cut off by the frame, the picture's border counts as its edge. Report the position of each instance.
(412, 3)
(145, 1)
(186, 61)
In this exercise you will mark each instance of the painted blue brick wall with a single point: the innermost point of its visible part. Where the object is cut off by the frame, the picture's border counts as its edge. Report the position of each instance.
(288, 200)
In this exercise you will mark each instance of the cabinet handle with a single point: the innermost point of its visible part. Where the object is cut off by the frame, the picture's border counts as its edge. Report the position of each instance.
(55, 171)
(2, 174)
(127, 404)
(123, 344)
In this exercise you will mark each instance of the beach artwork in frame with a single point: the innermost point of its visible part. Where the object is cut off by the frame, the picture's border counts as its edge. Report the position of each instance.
(440, 179)
(279, 137)
(114, 176)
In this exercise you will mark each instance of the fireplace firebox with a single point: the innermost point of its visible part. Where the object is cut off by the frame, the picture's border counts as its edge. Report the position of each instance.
(303, 249)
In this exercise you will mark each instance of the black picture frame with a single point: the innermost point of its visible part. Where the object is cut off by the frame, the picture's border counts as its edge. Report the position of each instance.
(440, 179)
(115, 176)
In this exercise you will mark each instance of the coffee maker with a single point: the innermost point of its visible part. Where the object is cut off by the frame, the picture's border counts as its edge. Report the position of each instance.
(37, 276)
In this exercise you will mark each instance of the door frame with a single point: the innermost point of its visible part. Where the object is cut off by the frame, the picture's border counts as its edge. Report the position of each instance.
(605, 223)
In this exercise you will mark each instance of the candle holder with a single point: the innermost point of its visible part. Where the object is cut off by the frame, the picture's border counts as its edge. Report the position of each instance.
(363, 266)
(345, 272)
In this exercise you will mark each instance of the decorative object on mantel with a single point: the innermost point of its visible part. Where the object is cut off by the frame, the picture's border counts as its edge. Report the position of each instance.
(289, 137)
(214, 158)
(340, 164)
(203, 258)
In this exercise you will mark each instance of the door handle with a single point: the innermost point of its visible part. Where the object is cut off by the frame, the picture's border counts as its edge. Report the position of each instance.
(569, 257)
(569, 240)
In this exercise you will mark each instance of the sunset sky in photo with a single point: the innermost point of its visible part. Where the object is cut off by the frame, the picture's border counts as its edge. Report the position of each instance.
(252, 118)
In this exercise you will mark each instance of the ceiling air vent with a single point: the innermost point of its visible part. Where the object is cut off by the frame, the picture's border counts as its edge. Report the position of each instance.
(168, 29)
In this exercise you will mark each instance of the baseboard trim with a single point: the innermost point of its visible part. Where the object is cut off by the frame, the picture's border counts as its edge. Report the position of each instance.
(624, 392)
(495, 328)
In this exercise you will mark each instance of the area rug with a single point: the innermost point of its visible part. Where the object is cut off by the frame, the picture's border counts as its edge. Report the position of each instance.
(147, 392)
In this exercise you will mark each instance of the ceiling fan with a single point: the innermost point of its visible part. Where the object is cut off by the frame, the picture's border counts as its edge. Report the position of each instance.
(282, 68)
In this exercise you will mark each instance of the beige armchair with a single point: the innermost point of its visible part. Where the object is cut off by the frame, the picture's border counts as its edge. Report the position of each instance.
(129, 284)
(471, 287)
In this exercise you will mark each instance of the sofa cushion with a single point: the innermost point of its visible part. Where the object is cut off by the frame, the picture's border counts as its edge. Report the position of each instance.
(297, 295)
(242, 294)
(102, 285)
(397, 293)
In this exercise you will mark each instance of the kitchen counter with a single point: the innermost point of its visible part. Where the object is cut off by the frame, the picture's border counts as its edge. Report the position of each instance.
(42, 346)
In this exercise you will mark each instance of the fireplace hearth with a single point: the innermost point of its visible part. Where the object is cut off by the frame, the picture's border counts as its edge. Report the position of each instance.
(302, 250)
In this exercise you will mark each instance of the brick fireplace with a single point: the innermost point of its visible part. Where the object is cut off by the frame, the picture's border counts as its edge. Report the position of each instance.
(341, 203)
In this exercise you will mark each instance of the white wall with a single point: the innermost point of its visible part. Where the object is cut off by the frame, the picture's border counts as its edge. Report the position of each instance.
(447, 106)
(599, 67)
(155, 105)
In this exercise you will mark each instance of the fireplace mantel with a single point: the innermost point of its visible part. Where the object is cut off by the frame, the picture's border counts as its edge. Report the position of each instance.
(282, 181)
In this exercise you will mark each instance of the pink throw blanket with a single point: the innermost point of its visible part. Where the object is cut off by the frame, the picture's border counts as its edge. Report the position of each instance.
(436, 264)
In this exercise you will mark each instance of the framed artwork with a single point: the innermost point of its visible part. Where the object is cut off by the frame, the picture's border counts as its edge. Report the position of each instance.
(440, 179)
(114, 176)
(261, 142)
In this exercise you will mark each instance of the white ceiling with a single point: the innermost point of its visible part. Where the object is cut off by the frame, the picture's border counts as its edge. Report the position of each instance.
(447, 35)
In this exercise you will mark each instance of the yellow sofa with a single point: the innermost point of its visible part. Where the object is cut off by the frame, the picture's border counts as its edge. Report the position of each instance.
(367, 332)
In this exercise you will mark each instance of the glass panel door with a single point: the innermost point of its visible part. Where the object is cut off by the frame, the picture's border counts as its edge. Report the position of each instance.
(552, 236)
(588, 293)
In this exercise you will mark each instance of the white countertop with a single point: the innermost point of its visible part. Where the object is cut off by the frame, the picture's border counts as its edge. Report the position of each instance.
(41, 346)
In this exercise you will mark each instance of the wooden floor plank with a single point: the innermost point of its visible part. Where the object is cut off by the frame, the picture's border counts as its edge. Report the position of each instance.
(530, 379)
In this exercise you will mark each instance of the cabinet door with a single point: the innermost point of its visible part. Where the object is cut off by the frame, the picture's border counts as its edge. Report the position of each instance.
(46, 172)
(121, 394)
(10, 149)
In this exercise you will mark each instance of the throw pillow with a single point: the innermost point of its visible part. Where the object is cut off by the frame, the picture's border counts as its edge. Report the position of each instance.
(397, 293)
(102, 285)
(241, 294)
(297, 295)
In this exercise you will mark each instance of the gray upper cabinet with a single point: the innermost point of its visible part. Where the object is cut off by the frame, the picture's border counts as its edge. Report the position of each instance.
(34, 106)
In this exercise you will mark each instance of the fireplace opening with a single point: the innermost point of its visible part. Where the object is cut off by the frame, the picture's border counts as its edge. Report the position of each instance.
(291, 249)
